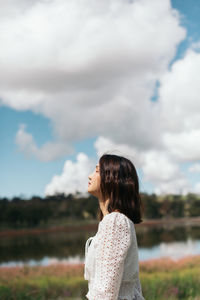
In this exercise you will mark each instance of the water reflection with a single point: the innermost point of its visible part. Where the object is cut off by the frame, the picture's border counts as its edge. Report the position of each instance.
(173, 250)
(64, 247)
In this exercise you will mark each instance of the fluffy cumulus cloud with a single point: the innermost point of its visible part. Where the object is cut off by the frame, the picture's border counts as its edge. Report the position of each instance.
(179, 101)
(169, 178)
(89, 62)
(105, 145)
(47, 152)
(74, 176)
(92, 67)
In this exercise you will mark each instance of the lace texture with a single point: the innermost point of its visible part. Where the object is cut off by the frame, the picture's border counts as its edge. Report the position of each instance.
(111, 260)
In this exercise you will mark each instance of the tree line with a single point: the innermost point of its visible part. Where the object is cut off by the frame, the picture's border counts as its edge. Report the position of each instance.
(38, 211)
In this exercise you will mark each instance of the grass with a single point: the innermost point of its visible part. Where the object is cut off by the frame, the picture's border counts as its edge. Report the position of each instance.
(161, 279)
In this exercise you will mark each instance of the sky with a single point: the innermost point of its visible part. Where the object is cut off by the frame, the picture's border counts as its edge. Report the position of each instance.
(82, 78)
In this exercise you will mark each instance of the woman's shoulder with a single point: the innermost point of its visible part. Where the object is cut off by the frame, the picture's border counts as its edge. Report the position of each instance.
(115, 226)
(116, 217)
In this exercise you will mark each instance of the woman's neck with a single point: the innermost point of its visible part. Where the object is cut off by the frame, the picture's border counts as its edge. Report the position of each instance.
(104, 207)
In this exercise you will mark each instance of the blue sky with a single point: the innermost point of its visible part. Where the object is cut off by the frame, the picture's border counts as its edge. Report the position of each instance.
(190, 11)
(15, 166)
(78, 142)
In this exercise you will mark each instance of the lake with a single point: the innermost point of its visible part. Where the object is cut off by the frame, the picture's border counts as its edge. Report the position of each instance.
(69, 247)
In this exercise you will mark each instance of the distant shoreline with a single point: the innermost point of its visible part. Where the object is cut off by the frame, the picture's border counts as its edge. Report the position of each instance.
(80, 226)
(155, 263)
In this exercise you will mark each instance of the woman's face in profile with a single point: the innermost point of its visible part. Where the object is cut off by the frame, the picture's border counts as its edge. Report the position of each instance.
(94, 182)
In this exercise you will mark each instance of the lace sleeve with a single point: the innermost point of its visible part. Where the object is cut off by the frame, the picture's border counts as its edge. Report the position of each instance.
(114, 239)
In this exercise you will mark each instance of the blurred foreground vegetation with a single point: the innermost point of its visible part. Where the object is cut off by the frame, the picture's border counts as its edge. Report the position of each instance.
(160, 279)
(60, 209)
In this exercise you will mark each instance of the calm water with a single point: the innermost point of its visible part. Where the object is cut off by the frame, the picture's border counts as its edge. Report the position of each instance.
(63, 247)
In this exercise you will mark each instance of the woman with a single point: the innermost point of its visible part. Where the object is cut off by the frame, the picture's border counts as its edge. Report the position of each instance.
(111, 256)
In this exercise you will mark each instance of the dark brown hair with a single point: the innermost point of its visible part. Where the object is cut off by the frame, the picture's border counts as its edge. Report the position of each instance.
(119, 183)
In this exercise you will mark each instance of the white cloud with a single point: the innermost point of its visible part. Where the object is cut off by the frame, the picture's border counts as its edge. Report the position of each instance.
(49, 151)
(185, 146)
(180, 106)
(10, 9)
(79, 63)
(178, 186)
(74, 176)
(164, 173)
(158, 167)
(105, 145)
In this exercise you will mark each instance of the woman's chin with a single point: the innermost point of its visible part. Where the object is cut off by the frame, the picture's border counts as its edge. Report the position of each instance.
(90, 191)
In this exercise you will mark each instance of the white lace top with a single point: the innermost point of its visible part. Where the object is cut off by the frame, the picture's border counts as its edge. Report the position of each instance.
(111, 260)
